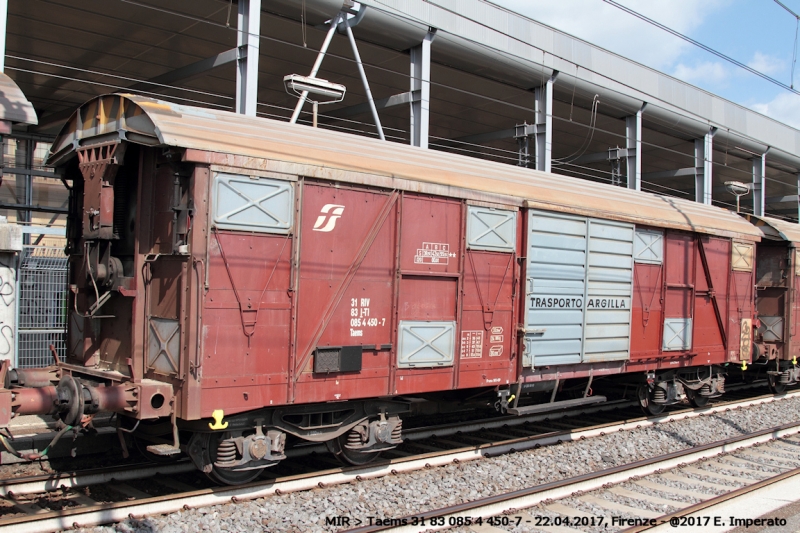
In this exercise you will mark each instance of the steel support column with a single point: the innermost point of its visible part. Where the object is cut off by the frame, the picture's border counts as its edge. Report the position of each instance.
(633, 142)
(247, 40)
(703, 149)
(759, 190)
(421, 90)
(544, 124)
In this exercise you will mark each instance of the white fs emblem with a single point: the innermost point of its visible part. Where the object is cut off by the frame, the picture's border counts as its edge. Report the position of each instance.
(330, 212)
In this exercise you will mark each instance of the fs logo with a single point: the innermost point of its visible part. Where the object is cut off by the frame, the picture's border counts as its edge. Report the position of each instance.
(330, 212)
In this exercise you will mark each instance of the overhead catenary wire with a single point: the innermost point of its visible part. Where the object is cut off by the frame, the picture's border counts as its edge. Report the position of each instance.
(796, 28)
(702, 46)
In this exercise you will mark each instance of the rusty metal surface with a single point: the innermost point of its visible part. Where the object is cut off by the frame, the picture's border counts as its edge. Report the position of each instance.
(14, 107)
(776, 228)
(220, 131)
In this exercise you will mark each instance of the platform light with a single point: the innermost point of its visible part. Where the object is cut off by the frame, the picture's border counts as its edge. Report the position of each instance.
(303, 86)
(738, 189)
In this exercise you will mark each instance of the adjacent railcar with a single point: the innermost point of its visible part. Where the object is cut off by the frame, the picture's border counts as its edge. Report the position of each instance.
(776, 345)
(237, 280)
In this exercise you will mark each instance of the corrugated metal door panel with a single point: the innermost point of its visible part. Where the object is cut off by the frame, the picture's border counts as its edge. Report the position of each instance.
(556, 282)
(491, 229)
(258, 204)
(425, 344)
(608, 292)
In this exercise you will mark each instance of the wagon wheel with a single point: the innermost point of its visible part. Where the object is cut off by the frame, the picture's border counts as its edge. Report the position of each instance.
(695, 399)
(775, 387)
(646, 403)
(224, 476)
(347, 456)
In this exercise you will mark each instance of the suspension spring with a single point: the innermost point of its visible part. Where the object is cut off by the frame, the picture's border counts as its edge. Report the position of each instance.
(397, 432)
(354, 439)
(226, 452)
(659, 395)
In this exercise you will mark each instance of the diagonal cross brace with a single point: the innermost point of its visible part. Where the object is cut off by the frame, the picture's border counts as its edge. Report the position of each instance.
(428, 343)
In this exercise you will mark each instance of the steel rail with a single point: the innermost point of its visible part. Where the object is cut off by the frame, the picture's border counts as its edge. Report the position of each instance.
(115, 512)
(510, 502)
(47, 482)
(72, 480)
(664, 520)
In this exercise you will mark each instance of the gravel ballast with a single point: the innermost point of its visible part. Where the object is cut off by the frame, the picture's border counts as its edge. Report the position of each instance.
(401, 495)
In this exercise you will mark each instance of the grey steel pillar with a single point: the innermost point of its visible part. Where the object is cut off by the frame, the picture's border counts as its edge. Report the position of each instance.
(421, 90)
(247, 40)
(544, 124)
(633, 142)
(703, 150)
(759, 190)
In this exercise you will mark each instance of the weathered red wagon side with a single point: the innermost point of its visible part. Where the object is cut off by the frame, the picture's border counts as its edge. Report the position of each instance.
(236, 281)
(776, 342)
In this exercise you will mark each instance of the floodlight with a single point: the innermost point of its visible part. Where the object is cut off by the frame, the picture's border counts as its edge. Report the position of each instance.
(738, 189)
(334, 92)
(302, 86)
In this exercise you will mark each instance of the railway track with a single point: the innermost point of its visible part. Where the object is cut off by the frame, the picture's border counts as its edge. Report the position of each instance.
(175, 487)
(732, 468)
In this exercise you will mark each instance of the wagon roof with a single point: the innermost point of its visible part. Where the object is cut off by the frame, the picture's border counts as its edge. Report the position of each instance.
(153, 122)
(14, 107)
(776, 228)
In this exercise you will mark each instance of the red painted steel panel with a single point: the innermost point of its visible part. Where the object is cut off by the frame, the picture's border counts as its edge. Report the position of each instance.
(342, 303)
(647, 313)
(741, 303)
(431, 245)
(431, 235)
(258, 266)
(487, 329)
(679, 257)
(707, 338)
(427, 298)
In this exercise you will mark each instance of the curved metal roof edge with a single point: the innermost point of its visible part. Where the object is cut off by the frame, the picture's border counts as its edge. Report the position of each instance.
(789, 231)
(230, 133)
(14, 106)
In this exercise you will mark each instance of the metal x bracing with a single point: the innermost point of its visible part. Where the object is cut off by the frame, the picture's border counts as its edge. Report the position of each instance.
(491, 229)
(648, 247)
(163, 345)
(428, 343)
(771, 328)
(677, 334)
(252, 202)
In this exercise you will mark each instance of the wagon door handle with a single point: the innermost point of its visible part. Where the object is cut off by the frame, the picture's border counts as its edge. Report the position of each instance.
(539, 331)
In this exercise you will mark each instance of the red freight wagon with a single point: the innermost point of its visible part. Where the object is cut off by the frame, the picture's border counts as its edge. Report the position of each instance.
(777, 344)
(236, 280)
